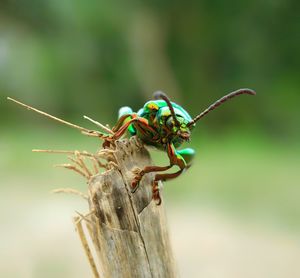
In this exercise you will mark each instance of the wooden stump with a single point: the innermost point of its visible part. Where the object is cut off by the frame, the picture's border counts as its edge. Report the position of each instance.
(128, 230)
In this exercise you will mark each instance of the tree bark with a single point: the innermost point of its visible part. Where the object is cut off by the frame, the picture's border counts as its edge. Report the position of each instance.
(128, 230)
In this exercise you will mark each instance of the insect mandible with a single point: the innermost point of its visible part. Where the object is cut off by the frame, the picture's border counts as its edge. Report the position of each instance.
(166, 126)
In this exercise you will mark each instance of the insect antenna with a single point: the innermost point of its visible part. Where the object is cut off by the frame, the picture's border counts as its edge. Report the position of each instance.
(220, 101)
(162, 95)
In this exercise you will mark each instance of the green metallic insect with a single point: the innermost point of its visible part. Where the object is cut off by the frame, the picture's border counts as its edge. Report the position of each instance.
(166, 126)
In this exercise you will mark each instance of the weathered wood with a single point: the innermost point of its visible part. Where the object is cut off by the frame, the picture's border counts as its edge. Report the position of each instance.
(128, 230)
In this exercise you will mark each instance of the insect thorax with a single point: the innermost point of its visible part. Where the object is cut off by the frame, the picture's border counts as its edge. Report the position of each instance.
(160, 119)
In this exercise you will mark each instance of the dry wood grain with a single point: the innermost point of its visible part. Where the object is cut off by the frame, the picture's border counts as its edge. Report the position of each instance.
(128, 230)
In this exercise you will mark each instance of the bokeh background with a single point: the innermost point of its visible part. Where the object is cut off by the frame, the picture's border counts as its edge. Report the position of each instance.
(236, 212)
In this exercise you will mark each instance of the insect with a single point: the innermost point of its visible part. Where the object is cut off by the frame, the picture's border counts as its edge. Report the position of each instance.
(160, 123)
(166, 126)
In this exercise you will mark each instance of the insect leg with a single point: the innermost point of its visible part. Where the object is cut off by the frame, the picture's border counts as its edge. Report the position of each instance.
(148, 169)
(181, 158)
(138, 121)
(163, 177)
(120, 128)
(188, 154)
(122, 120)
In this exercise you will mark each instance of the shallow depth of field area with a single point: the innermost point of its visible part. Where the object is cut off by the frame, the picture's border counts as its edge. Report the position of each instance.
(236, 211)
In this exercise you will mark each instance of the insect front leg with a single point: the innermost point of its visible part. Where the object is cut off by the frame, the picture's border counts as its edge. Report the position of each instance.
(181, 158)
(188, 155)
(148, 169)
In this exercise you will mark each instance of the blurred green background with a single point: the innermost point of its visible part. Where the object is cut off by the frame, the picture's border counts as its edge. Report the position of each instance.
(74, 58)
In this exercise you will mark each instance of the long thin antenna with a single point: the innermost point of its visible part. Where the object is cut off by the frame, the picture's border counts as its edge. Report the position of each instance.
(220, 101)
(49, 116)
(162, 95)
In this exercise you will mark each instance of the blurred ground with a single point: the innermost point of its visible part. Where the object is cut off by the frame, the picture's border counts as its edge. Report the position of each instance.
(209, 244)
(38, 236)
(233, 219)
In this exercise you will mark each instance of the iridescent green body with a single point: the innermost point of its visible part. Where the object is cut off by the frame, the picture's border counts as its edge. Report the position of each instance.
(166, 126)
(159, 118)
